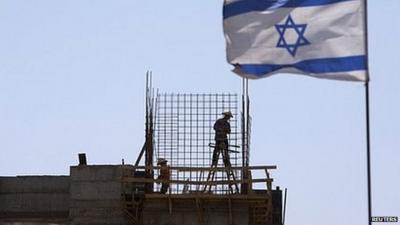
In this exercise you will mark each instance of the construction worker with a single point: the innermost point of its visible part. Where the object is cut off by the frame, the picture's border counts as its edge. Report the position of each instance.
(222, 129)
(165, 174)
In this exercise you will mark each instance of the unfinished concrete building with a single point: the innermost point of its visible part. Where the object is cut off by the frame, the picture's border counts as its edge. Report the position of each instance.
(179, 128)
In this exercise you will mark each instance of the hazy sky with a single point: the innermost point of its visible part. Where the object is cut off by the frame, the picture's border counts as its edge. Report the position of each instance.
(72, 80)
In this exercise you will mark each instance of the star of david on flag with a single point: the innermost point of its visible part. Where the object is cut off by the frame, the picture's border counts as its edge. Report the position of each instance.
(319, 38)
(300, 40)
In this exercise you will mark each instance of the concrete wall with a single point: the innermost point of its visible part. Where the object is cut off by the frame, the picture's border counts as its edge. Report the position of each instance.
(33, 198)
(91, 195)
(96, 195)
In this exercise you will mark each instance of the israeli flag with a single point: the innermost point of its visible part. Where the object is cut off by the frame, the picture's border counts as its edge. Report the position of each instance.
(319, 38)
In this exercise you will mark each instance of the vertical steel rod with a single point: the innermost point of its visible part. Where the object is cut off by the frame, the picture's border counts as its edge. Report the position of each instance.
(247, 123)
(284, 208)
(243, 140)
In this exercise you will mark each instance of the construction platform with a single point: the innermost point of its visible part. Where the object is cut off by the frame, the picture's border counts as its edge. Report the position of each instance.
(108, 194)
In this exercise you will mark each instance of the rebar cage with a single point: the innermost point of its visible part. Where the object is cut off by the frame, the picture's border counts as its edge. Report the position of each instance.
(184, 135)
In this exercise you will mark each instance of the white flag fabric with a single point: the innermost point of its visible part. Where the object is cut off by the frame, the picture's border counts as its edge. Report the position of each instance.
(319, 38)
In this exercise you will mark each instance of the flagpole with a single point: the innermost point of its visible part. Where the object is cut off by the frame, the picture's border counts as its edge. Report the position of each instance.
(368, 152)
(368, 136)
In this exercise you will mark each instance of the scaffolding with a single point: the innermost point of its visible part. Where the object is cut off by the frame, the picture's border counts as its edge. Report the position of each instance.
(260, 205)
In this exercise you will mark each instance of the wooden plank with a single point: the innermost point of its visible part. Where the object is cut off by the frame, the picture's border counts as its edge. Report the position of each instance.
(248, 197)
(219, 182)
(272, 167)
(230, 211)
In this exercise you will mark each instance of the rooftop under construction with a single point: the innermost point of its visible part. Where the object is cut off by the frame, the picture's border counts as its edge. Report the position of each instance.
(207, 185)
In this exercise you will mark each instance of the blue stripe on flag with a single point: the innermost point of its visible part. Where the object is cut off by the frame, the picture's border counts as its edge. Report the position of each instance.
(328, 65)
(246, 6)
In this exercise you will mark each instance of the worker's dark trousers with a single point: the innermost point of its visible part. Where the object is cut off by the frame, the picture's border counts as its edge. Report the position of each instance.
(164, 188)
(221, 146)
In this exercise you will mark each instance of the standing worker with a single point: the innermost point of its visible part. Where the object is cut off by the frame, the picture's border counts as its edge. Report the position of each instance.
(222, 129)
(165, 174)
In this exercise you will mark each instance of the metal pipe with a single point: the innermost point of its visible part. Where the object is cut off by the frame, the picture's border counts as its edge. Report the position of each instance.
(284, 208)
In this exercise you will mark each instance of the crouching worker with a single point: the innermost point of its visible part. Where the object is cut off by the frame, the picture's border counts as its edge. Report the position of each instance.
(165, 174)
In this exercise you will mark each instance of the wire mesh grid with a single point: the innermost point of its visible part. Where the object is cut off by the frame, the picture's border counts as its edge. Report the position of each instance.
(184, 132)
